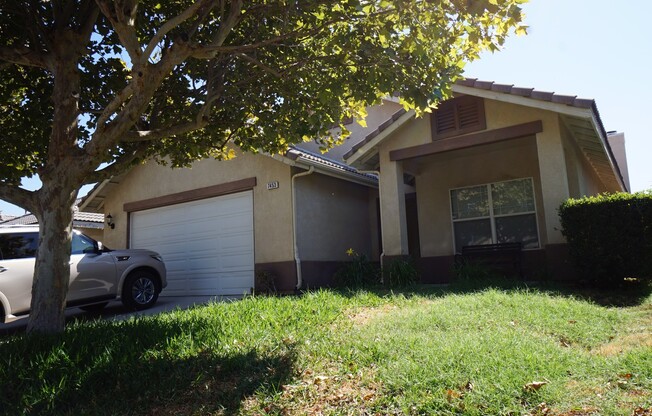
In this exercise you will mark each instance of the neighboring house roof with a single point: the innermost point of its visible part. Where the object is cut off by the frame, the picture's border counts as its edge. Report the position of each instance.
(5, 217)
(580, 115)
(80, 219)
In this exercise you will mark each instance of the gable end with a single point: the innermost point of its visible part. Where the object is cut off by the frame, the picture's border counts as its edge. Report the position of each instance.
(457, 116)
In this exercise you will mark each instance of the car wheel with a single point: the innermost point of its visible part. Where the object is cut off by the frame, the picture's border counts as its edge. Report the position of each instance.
(94, 308)
(140, 290)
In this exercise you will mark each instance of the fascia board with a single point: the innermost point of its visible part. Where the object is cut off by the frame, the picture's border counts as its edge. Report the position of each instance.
(525, 101)
(93, 194)
(369, 146)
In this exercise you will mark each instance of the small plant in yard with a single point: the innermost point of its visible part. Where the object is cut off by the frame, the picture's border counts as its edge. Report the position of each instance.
(358, 272)
(401, 273)
(265, 283)
(469, 271)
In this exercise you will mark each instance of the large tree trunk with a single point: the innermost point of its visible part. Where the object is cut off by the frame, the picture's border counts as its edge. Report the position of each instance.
(61, 178)
(52, 269)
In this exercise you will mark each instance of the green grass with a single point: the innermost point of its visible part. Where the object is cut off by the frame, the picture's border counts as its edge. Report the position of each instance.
(414, 352)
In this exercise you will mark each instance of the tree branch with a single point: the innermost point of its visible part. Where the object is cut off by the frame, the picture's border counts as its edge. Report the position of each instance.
(23, 56)
(89, 14)
(18, 196)
(117, 167)
(160, 133)
(125, 30)
(172, 24)
(259, 64)
(114, 105)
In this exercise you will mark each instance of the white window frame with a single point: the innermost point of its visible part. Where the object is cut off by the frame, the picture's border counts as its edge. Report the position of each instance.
(492, 216)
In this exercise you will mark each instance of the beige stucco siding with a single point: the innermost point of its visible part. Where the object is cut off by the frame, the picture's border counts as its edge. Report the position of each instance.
(272, 213)
(332, 216)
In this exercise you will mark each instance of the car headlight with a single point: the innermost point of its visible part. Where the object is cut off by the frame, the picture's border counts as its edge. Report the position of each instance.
(157, 257)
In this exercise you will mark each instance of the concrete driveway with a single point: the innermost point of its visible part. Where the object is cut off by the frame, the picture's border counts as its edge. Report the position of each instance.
(115, 310)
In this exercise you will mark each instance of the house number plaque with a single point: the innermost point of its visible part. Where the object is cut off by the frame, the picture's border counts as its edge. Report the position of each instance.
(272, 185)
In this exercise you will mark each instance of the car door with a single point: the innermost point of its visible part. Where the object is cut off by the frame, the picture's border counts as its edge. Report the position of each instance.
(17, 258)
(92, 272)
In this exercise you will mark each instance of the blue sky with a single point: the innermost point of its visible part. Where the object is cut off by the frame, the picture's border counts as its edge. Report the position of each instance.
(600, 49)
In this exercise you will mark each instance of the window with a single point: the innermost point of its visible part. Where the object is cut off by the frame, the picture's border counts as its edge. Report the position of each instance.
(500, 212)
(81, 244)
(18, 245)
(460, 115)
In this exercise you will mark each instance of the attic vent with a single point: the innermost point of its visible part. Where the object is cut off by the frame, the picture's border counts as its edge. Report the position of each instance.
(460, 115)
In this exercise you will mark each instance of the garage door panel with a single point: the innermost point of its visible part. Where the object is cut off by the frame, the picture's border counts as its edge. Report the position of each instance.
(207, 245)
(233, 283)
(235, 262)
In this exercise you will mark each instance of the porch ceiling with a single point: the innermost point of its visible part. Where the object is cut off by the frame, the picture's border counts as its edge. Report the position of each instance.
(589, 140)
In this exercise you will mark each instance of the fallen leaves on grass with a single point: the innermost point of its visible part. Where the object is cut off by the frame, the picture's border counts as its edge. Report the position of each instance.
(316, 394)
(534, 386)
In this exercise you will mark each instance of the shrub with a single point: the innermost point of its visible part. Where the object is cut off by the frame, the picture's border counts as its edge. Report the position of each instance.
(357, 273)
(265, 283)
(401, 273)
(610, 236)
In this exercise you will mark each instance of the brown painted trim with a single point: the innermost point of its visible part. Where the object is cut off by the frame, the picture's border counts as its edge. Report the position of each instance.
(470, 140)
(192, 195)
(283, 272)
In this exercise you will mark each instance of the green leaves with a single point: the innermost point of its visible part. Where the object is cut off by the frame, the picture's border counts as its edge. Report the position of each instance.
(262, 77)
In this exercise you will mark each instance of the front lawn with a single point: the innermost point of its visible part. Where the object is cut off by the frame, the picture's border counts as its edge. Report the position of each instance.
(490, 351)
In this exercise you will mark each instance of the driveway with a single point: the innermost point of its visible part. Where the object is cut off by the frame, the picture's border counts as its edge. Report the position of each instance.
(115, 310)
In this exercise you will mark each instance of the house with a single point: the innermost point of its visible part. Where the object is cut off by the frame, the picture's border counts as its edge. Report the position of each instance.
(490, 165)
(220, 223)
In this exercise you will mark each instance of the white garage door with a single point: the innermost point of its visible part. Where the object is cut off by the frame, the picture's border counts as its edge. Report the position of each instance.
(207, 245)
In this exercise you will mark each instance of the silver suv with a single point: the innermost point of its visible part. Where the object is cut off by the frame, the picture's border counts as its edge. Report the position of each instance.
(97, 274)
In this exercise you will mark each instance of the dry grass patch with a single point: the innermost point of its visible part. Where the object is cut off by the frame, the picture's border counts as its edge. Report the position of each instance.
(322, 394)
(620, 344)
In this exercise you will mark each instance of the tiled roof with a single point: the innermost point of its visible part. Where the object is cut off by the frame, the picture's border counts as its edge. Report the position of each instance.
(5, 217)
(571, 100)
(79, 217)
(26, 219)
(295, 153)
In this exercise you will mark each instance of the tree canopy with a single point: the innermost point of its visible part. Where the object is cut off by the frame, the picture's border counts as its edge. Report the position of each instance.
(91, 87)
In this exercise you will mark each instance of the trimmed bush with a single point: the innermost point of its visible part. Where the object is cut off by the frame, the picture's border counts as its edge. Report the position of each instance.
(610, 236)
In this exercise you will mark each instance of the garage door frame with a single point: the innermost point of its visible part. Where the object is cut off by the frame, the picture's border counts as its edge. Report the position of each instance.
(198, 194)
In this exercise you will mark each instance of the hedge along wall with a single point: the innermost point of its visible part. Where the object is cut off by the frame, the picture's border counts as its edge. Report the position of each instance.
(610, 235)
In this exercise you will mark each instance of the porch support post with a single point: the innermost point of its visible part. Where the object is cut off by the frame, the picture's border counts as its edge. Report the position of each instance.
(554, 178)
(392, 212)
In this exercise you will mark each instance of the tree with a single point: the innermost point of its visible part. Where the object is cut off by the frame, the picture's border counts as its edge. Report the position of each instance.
(92, 87)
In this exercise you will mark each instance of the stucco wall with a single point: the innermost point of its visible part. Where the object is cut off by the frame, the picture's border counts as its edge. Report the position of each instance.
(617, 143)
(332, 216)
(272, 213)
(94, 233)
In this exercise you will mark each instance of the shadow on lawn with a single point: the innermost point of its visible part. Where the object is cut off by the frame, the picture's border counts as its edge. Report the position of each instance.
(629, 293)
(137, 367)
